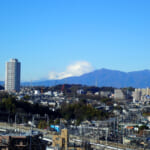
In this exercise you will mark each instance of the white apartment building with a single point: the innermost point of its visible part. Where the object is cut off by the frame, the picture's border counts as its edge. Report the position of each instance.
(119, 94)
(12, 76)
(141, 94)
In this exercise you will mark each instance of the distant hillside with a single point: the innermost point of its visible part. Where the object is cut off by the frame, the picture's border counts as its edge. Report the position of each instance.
(1, 82)
(103, 77)
(1, 85)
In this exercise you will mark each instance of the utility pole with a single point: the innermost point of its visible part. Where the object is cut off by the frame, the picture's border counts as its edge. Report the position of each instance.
(106, 135)
(15, 121)
(47, 122)
(30, 146)
(117, 131)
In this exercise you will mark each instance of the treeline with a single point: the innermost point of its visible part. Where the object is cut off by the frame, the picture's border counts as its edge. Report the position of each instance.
(10, 105)
(71, 89)
(1, 87)
(80, 112)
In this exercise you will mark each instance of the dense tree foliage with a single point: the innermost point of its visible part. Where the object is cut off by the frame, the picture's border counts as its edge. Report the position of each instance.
(1, 87)
(80, 112)
(70, 89)
(3, 95)
(42, 124)
(10, 105)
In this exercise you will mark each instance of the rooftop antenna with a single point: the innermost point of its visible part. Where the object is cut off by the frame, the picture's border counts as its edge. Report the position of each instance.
(31, 84)
(55, 83)
(96, 83)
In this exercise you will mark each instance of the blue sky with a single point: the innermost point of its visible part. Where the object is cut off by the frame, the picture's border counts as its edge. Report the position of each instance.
(61, 38)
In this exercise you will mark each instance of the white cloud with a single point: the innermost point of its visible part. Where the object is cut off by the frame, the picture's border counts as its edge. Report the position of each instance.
(76, 69)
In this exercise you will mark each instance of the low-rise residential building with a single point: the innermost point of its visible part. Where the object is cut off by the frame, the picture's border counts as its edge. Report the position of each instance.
(105, 94)
(61, 141)
(18, 141)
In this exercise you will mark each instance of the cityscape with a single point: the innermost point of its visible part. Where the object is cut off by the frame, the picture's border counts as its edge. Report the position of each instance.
(75, 75)
(72, 116)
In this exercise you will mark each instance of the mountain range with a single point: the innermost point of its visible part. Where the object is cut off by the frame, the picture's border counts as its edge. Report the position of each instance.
(102, 77)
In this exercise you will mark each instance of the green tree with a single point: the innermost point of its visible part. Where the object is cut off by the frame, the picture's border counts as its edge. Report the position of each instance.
(9, 104)
(42, 124)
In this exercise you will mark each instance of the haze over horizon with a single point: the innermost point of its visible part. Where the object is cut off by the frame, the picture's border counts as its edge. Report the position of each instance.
(59, 39)
(60, 76)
